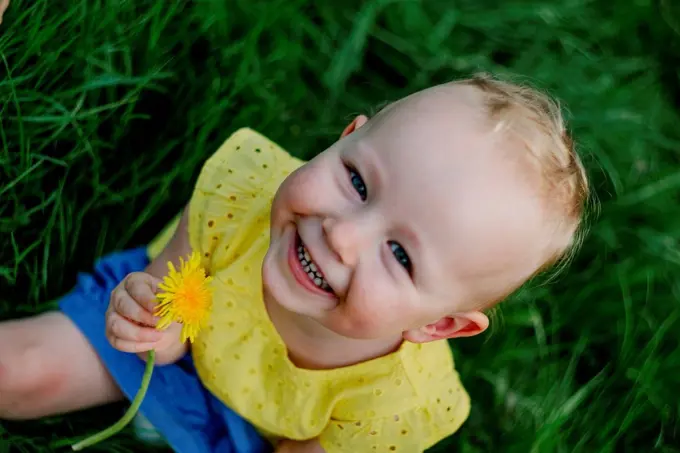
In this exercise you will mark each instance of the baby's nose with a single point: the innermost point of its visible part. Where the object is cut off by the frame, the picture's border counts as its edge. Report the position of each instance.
(343, 238)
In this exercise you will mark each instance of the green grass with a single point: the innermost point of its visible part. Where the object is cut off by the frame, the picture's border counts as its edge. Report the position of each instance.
(108, 108)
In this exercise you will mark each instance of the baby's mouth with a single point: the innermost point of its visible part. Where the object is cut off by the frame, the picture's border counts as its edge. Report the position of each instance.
(312, 270)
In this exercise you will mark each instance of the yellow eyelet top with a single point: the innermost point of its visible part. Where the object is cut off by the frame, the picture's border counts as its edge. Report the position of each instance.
(403, 402)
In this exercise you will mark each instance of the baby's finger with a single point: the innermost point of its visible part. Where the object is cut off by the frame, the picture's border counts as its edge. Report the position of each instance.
(142, 288)
(130, 346)
(127, 307)
(127, 330)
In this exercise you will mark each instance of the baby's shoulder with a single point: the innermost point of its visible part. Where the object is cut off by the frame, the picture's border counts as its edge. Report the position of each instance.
(416, 403)
(229, 208)
(249, 151)
(415, 376)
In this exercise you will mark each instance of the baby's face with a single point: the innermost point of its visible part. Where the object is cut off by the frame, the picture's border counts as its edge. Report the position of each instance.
(417, 218)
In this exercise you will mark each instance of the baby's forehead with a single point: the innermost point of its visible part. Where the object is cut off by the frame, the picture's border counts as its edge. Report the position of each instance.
(439, 137)
(470, 203)
(438, 114)
(467, 192)
(478, 227)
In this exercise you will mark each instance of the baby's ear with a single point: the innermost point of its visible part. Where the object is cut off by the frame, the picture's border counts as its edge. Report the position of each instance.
(458, 325)
(354, 125)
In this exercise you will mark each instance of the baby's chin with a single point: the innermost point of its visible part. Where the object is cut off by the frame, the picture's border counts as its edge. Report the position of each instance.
(338, 323)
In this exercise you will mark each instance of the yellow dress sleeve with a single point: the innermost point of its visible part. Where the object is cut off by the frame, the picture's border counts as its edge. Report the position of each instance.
(445, 408)
(234, 191)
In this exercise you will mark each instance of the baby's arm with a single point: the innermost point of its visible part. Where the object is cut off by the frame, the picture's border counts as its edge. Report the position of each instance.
(293, 446)
(177, 247)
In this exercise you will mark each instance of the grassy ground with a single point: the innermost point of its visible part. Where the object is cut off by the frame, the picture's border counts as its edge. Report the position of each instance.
(107, 109)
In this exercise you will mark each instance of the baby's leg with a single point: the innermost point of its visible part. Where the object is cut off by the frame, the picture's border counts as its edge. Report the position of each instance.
(48, 367)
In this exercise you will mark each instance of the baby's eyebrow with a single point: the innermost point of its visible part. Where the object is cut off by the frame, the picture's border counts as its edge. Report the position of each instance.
(370, 165)
(413, 238)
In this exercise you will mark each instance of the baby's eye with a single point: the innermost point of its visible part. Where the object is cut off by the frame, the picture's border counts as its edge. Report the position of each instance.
(401, 256)
(357, 183)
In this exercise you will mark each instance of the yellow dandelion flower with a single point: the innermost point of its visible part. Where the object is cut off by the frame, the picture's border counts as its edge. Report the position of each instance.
(186, 297)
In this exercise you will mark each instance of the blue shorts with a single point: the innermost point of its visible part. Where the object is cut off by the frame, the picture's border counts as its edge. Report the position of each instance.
(189, 417)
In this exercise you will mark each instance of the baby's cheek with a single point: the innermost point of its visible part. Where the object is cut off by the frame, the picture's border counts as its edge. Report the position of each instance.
(373, 316)
(359, 325)
(304, 191)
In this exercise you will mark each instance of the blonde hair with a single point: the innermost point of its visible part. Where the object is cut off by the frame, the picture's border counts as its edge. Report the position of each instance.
(536, 120)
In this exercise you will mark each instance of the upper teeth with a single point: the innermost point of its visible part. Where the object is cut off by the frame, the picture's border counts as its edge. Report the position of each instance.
(311, 269)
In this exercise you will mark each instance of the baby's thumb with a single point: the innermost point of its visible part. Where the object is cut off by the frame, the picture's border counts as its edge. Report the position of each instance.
(144, 290)
(154, 283)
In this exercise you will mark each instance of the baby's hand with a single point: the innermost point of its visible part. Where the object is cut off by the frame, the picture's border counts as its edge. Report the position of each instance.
(130, 323)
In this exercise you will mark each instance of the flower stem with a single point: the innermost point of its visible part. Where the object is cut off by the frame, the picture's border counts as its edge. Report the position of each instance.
(129, 414)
